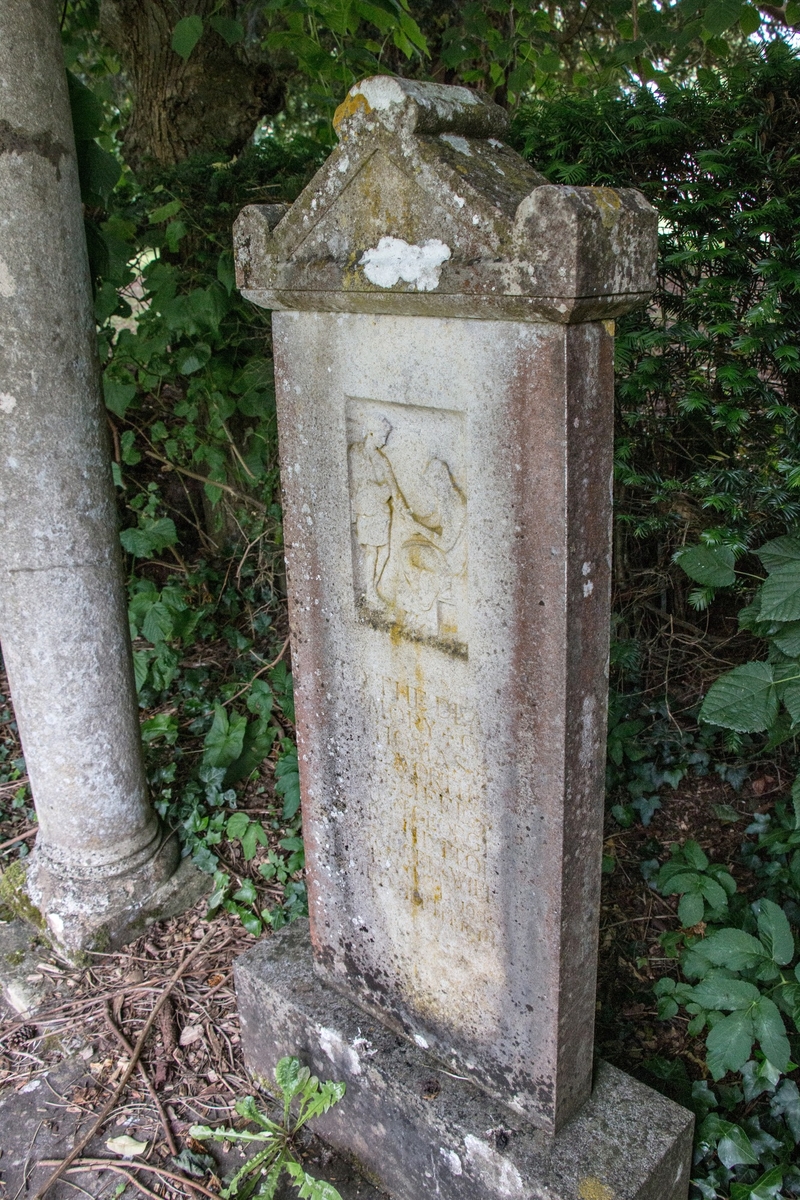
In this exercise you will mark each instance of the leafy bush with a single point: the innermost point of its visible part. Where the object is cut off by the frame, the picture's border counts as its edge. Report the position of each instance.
(708, 383)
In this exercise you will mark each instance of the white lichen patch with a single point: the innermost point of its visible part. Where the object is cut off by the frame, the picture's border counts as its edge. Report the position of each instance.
(394, 259)
(452, 1160)
(8, 287)
(7, 402)
(457, 142)
(497, 1173)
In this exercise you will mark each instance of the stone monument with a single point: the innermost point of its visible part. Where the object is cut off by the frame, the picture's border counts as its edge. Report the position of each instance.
(443, 344)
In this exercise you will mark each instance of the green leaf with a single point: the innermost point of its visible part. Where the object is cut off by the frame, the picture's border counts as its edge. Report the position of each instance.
(151, 537)
(771, 1033)
(780, 594)
(166, 212)
(721, 15)
(247, 893)
(787, 639)
(729, 1043)
(735, 1148)
(744, 699)
(224, 740)
(690, 909)
(793, 12)
(186, 35)
(192, 358)
(253, 838)
(780, 552)
(228, 29)
(775, 933)
(718, 991)
(749, 20)
(237, 825)
(287, 1076)
(86, 109)
(118, 395)
(733, 949)
(709, 565)
(786, 1103)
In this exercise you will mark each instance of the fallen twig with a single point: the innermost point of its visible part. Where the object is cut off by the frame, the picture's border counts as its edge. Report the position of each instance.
(80, 1146)
(260, 671)
(154, 1096)
(84, 1163)
(19, 838)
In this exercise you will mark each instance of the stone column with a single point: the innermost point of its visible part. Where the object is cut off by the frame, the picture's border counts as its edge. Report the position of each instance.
(100, 851)
(444, 374)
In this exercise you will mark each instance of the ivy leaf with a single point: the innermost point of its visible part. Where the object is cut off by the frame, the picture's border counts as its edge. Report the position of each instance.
(186, 35)
(709, 565)
(775, 932)
(223, 742)
(246, 893)
(729, 1043)
(744, 699)
(786, 1103)
(780, 594)
(735, 1149)
(237, 825)
(771, 1033)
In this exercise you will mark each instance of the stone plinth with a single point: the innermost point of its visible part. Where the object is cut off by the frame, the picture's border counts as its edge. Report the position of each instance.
(444, 379)
(419, 1130)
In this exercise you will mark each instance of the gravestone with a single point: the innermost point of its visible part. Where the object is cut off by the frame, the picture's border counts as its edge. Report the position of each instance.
(443, 344)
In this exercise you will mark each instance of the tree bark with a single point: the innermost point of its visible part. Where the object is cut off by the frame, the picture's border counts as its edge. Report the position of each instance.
(210, 103)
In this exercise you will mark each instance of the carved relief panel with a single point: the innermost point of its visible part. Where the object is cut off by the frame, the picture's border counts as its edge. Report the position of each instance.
(408, 508)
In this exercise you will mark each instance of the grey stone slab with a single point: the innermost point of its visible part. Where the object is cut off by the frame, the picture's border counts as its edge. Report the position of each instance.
(422, 210)
(24, 986)
(450, 682)
(419, 1130)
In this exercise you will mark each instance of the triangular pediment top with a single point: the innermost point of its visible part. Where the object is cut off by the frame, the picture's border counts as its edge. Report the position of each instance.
(423, 208)
(464, 191)
(480, 181)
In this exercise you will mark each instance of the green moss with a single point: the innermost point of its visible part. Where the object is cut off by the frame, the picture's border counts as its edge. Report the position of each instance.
(15, 957)
(14, 899)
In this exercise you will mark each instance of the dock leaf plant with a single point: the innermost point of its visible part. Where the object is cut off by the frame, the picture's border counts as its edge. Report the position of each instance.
(301, 1097)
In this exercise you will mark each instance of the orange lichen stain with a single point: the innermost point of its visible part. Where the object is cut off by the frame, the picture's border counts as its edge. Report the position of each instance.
(350, 105)
(609, 204)
(590, 1188)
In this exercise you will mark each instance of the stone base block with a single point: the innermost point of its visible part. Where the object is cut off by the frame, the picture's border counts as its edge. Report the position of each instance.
(418, 1130)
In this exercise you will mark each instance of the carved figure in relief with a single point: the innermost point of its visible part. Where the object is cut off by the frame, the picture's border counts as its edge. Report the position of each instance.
(409, 517)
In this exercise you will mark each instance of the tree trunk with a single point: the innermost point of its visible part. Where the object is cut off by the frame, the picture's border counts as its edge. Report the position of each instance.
(210, 103)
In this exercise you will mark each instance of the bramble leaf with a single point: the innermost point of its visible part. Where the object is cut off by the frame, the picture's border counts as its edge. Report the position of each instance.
(729, 1043)
(709, 565)
(744, 699)
(780, 594)
(775, 932)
